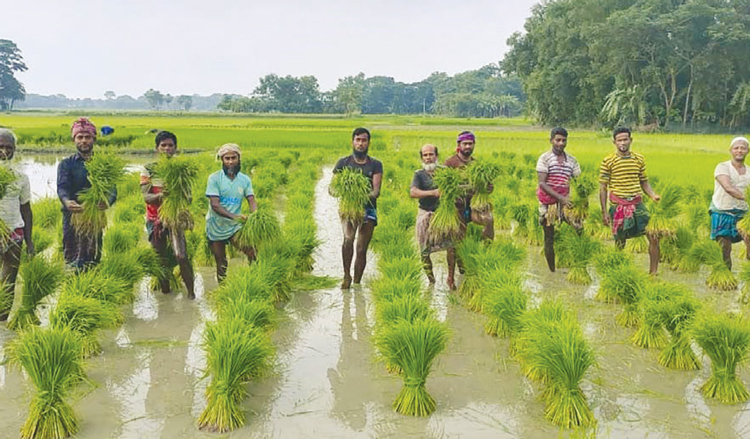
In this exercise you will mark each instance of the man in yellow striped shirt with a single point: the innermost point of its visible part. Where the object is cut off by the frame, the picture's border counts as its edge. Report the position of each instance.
(622, 174)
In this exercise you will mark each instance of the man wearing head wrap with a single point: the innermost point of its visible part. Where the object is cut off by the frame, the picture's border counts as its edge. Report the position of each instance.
(465, 143)
(15, 213)
(372, 168)
(225, 191)
(728, 204)
(79, 251)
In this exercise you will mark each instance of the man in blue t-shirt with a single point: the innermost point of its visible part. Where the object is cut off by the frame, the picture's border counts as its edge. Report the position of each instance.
(225, 191)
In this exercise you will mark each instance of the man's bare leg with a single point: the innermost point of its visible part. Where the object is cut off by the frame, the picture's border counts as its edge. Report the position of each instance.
(427, 262)
(746, 240)
(218, 248)
(347, 252)
(159, 243)
(726, 250)
(549, 246)
(451, 259)
(363, 242)
(653, 254)
(488, 221)
(11, 262)
(179, 245)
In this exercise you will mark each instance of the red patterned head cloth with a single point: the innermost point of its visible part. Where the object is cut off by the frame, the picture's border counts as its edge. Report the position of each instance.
(466, 135)
(83, 125)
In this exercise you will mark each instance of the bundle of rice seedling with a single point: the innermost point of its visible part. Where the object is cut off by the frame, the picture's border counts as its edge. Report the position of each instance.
(121, 237)
(47, 213)
(277, 271)
(606, 262)
(235, 353)
(254, 312)
(637, 245)
(40, 279)
(178, 174)
(412, 346)
(709, 253)
(352, 189)
(683, 242)
(695, 215)
(469, 251)
(725, 339)
(259, 227)
(7, 177)
(743, 225)
(536, 324)
(97, 285)
(51, 358)
(401, 268)
(105, 170)
(582, 189)
(84, 316)
(409, 307)
(245, 282)
(389, 289)
(125, 268)
(130, 209)
(677, 314)
(445, 224)
(481, 174)
(595, 227)
(578, 251)
(626, 284)
(504, 302)
(662, 214)
(650, 333)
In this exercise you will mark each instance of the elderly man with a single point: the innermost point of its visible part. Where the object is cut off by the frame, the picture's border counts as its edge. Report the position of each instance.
(79, 251)
(372, 168)
(158, 236)
(465, 143)
(554, 168)
(728, 204)
(622, 175)
(15, 213)
(424, 189)
(225, 190)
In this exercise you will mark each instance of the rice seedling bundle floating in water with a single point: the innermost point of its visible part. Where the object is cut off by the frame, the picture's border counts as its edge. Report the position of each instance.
(726, 340)
(352, 189)
(709, 253)
(481, 175)
(579, 250)
(84, 316)
(445, 224)
(582, 189)
(235, 353)
(650, 333)
(662, 214)
(677, 314)
(412, 347)
(178, 174)
(626, 284)
(105, 171)
(259, 227)
(51, 358)
(40, 279)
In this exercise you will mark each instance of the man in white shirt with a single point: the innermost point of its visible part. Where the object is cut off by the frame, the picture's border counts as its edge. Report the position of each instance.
(728, 204)
(15, 213)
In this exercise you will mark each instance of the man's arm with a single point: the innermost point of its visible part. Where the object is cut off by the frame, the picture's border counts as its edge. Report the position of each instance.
(148, 197)
(251, 203)
(220, 210)
(650, 192)
(63, 188)
(551, 192)
(28, 224)
(731, 189)
(377, 179)
(603, 202)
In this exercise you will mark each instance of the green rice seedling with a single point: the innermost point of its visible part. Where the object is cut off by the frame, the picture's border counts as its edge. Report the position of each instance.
(522, 214)
(235, 353)
(97, 285)
(637, 245)
(130, 184)
(299, 235)
(257, 312)
(468, 251)
(677, 314)
(583, 187)
(606, 262)
(42, 239)
(744, 276)
(148, 260)
(505, 302)
(178, 174)
(445, 224)
(120, 238)
(7, 177)
(626, 284)
(84, 316)
(259, 227)
(725, 339)
(536, 326)
(709, 253)
(401, 268)
(40, 279)
(594, 225)
(105, 171)
(47, 213)
(683, 242)
(245, 282)
(412, 347)
(277, 271)
(198, 247)
(579, 250)
(743, 225)
(352, 189)
(125, 268)
(481, 175)
(51, 357)
(129, 209)
(662, 214)
(387, 289)
(408, 307)
(650, 333)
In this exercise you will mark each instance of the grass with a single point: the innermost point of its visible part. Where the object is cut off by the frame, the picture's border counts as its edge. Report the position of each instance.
(40, 279)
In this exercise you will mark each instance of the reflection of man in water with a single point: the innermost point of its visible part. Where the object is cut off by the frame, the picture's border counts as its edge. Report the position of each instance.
(15, 213)
(372, 168)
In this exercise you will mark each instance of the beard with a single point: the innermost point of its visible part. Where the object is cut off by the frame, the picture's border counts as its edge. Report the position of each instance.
(467, 152)
(429, 167)
(359, 154)
(231, 170)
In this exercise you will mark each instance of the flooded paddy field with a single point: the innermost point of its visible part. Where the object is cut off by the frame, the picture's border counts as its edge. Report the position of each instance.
(328, 382)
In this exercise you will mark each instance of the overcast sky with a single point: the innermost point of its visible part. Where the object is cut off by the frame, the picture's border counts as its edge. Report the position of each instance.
(83, 48)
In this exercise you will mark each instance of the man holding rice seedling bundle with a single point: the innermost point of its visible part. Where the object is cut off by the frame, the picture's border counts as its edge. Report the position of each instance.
(159, 235)
(359, 223)
(729, 205)
(15, 220)
(80, 248)
(555, 169)
(465, 143)
(225, 190)
(622, 176)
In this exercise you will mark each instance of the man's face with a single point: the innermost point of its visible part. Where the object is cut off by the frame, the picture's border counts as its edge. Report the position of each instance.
(361, 143)
(168, 147)
(558, 143)
(466, 147)
(739, 150)
(84, 142)
(7, 149)
(428, 155)
(231, 163)
(622, 141)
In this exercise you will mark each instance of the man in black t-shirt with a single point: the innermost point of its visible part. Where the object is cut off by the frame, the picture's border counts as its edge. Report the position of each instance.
(372, 168)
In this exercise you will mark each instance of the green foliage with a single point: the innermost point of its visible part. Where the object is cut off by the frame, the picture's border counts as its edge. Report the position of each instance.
(261, 226)
(352, 189)
(105, 171)
(40, 279)
(726, 340)
(178, 174)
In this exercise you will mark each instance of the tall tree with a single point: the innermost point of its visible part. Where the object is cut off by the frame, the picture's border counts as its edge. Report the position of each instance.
(11, 62)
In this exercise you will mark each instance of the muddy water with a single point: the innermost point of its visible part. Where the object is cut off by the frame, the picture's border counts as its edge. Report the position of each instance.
(328, 382)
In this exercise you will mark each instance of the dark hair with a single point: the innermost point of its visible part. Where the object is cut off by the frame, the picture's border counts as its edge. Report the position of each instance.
(621, 130)
(420, 150)
(163, 135)
(360, 130)
(558, 131)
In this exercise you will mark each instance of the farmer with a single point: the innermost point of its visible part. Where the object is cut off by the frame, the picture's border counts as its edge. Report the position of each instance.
(424, 189)
(555, 168)
(15, 212)
(465, 143)
(158, 236)
(80, 251)
(372, 168)
(225, 191)
(728, 204)
(622, 176)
